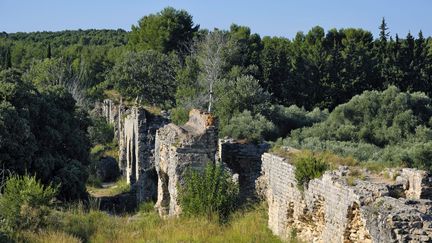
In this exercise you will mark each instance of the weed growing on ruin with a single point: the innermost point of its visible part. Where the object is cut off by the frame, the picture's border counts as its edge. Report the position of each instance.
(212, 192)
(308, 167)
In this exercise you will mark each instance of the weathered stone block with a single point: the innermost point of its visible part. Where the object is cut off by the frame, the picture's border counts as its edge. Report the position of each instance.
(178, 149)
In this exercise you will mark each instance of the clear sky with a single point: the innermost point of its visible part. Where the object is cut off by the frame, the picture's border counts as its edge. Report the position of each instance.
(265, 17)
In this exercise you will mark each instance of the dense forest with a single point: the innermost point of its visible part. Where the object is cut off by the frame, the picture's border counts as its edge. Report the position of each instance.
(260, 88)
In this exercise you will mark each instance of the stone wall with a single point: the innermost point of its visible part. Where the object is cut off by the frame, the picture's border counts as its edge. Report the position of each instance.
(243, 159)
(330, 210)
(135, 130)
(417, 183)
(137, 153)
(179, 148)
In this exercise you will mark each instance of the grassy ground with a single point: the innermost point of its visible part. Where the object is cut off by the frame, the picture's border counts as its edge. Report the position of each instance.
(109, 190)
(75, 225)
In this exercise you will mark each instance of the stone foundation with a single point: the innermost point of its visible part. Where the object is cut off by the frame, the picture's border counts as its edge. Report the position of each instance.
(330, 210)
(178, 149)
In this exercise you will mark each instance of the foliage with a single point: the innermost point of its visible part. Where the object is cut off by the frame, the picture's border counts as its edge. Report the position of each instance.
(179, 115)
(147, 75)
(289, 118)
(211, 192)
(24, 204)
(168, 30)
(391, 127)
(237, 95)
(100, 132)
(248, 127)
(308, 167)
(247, 225)
(43, 133)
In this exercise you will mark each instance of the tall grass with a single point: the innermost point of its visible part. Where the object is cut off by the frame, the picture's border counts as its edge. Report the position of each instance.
(249, 225)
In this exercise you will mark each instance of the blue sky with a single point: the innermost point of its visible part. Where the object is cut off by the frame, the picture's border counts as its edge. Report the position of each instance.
(270, 17)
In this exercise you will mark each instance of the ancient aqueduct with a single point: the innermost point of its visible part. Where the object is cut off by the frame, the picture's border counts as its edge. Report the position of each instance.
(154, 155)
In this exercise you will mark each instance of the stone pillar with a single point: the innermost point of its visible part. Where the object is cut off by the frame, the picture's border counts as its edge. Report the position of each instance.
(178, 149)
(137, 141)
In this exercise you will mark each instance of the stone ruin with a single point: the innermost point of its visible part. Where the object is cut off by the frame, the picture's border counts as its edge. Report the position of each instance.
(331, 210)
(244, 161)
(135, 130)
(178, 149)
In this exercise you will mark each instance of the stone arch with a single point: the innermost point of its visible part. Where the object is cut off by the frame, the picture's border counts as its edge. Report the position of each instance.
(355, 230)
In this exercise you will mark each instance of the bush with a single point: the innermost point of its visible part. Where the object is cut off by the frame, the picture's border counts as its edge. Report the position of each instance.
(293, 117)
(390, 127)
(100, 132)
(179, 115)
(248, 127)
(211, 192)
(308, 167)
(24, 204)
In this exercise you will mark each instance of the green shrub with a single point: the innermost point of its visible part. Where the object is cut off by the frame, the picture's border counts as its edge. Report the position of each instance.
(293, 117)
(179, 115)
(381, 129)
(252, 128)
(209, 192)
(100, 132)
(24, 204)
(308, 167)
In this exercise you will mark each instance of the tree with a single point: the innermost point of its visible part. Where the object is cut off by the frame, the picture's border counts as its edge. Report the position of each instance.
(57, 71)
(210, 55)
(168, 30)
(43, 133)
(252, 128)
(383, 31)
(147, 75)
(238, 94)
(276, 68)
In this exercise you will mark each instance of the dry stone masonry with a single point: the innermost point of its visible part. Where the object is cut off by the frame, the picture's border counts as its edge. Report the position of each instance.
(330, 210)
(179, 148)
(244, 161)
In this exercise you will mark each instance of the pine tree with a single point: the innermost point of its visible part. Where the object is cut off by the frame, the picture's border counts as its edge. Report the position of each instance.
(382, 54)
(383, 31)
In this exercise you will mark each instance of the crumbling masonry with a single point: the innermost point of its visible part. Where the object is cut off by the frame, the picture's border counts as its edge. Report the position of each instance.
(135, 130)
(179, 148)
(330, 210)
